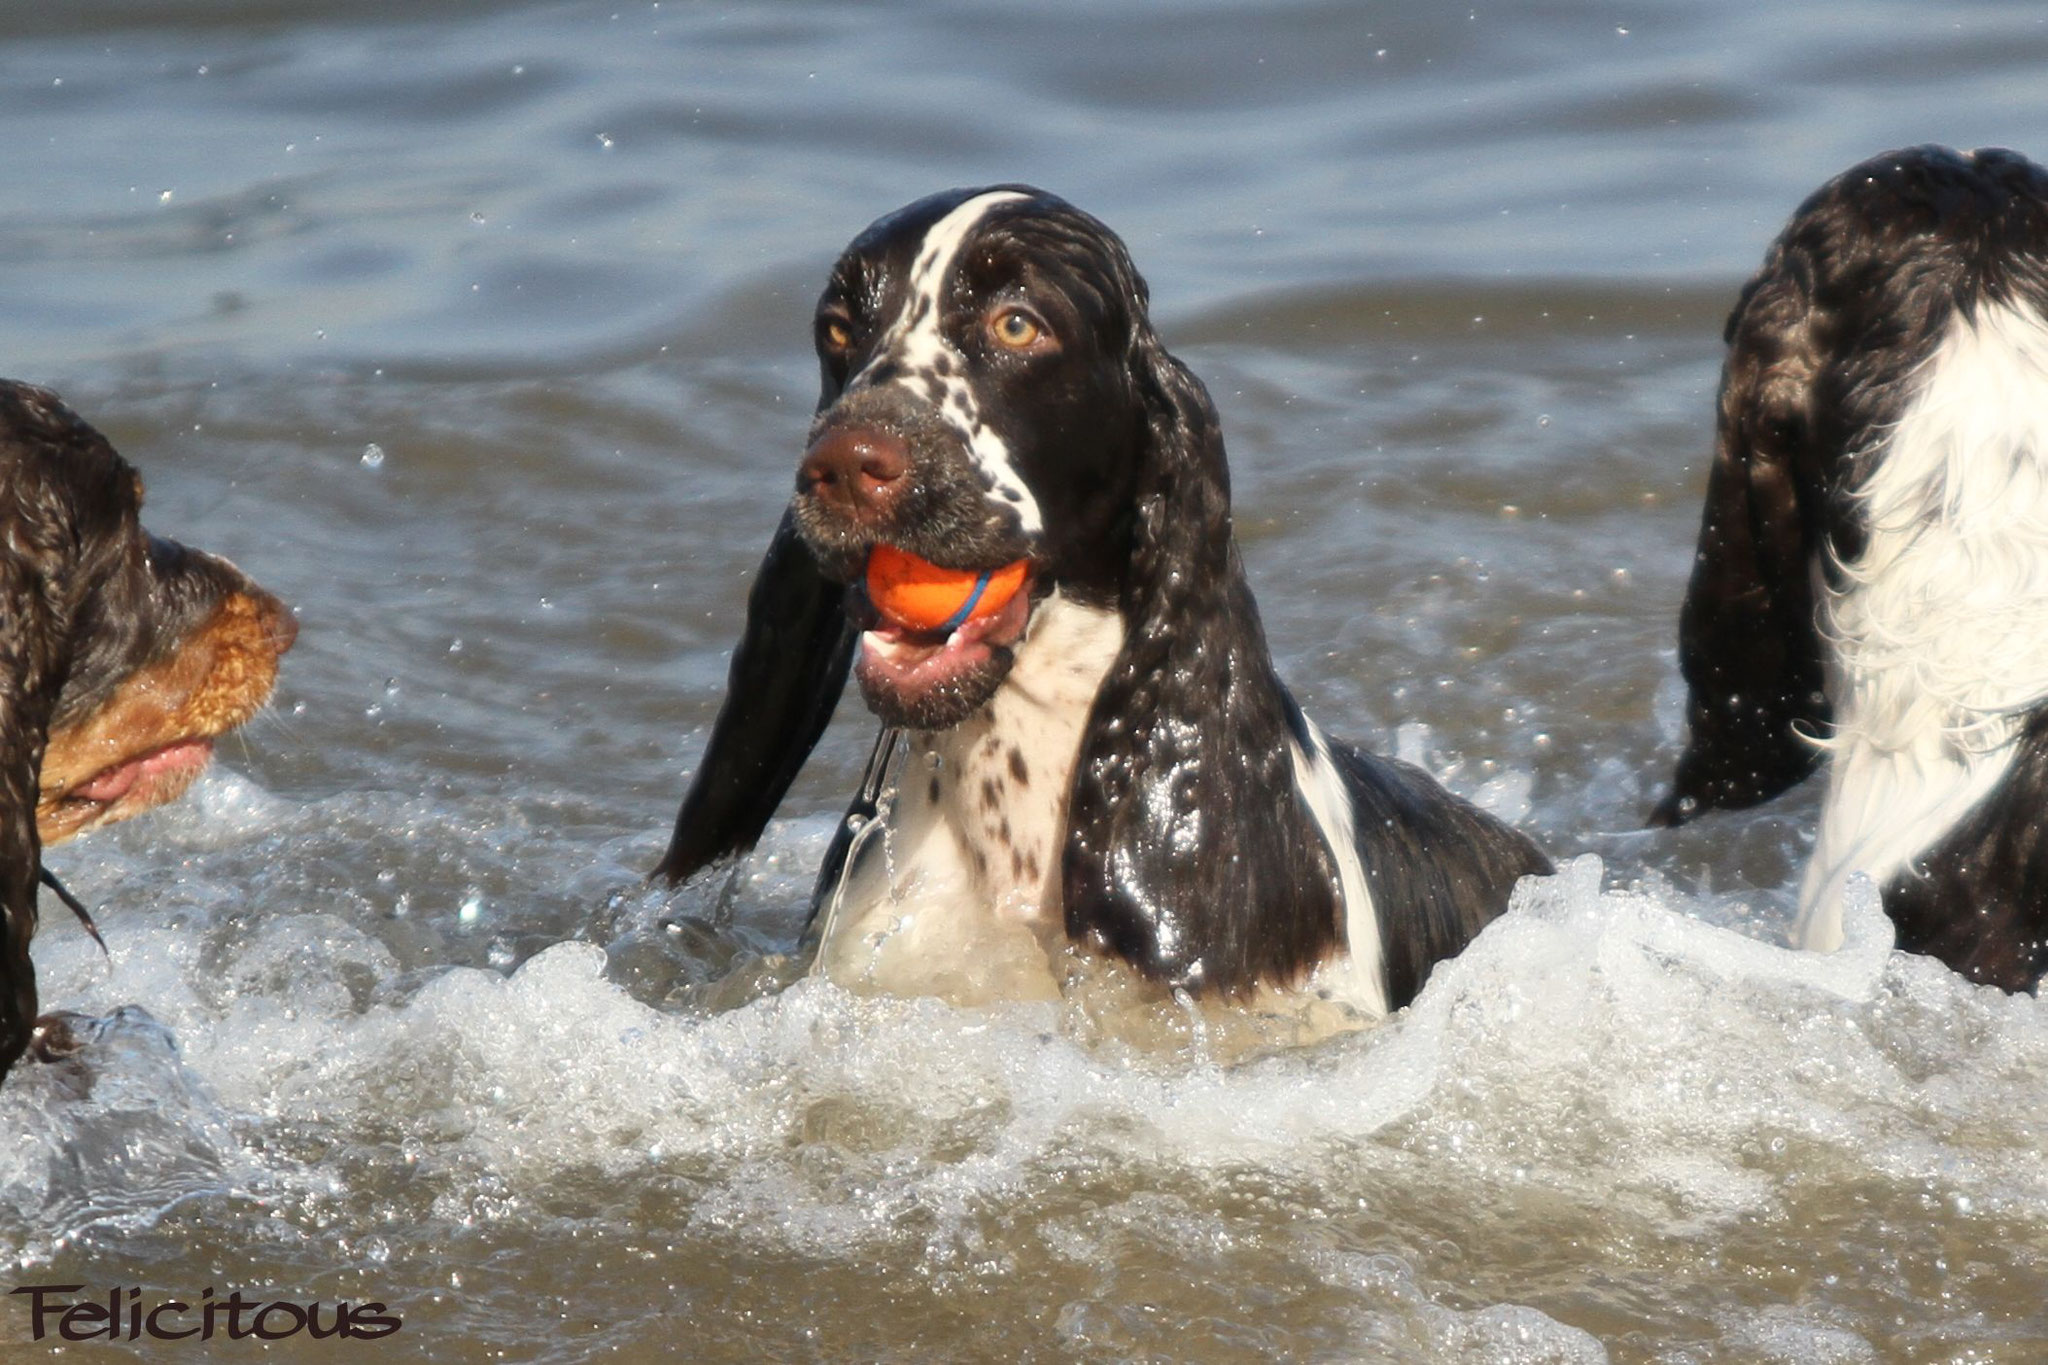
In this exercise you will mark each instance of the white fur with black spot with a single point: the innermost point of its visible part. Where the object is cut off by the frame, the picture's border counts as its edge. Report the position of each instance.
(963, 898)
(916, 353)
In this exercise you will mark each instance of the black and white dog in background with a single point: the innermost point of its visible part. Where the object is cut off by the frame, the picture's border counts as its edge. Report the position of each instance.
(1871, 586)
(1110, 760)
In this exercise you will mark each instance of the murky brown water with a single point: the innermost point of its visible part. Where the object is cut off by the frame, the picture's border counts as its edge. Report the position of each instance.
(480, 332)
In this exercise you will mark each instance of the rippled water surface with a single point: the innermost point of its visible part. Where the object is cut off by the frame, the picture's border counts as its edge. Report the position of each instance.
(480, 332)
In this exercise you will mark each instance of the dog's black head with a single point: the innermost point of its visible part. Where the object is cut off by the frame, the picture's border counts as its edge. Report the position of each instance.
(993, 390)
(979, 405)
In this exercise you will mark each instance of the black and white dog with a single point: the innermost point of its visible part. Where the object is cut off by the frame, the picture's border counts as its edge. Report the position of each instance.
(1872, 579)
(1111, 759)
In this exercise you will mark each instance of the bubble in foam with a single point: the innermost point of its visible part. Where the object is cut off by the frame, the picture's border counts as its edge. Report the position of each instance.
(1406, 1324)
(1781, 1332)
(1506, 795)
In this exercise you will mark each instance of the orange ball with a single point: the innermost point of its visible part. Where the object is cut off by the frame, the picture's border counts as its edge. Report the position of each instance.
(916, 593)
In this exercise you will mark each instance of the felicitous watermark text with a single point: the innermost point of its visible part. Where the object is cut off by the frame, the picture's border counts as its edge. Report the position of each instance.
(125, 1315)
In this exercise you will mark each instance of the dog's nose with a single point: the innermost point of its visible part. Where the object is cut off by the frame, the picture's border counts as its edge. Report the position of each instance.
(854, 469)
(279, 624)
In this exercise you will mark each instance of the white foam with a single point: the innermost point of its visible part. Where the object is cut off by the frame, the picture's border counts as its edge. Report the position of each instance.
(1577, 992)
(1598, 1049)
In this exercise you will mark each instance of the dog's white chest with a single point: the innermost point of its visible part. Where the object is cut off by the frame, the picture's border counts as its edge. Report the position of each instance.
(956, 894)
(1942, 623)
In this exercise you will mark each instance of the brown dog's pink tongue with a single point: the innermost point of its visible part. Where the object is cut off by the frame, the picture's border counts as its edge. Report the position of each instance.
(118, 781)
(111, 785)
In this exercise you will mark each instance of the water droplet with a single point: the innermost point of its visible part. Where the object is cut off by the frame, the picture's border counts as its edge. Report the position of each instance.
(472, 907)
(373, 456)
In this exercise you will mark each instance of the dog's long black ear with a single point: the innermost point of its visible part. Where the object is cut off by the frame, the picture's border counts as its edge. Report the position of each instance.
(787, 674)
(17, 926)
(1749, 640)
(24, 717)
(1184, 818)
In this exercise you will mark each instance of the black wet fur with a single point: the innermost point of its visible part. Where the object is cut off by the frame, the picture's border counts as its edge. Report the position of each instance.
(1190, 851)
(785, 681)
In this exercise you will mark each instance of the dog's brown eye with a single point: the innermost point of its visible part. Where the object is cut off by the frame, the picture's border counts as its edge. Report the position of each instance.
(838, 336)
(1016, 328)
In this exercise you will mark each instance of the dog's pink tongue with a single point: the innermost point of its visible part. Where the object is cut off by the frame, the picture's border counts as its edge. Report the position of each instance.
(118, 781)
(111, 785)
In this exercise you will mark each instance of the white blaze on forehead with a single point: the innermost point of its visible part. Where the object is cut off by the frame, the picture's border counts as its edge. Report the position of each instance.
(935, 369)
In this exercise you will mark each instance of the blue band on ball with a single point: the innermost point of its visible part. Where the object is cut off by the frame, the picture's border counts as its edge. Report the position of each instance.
(959, 618)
